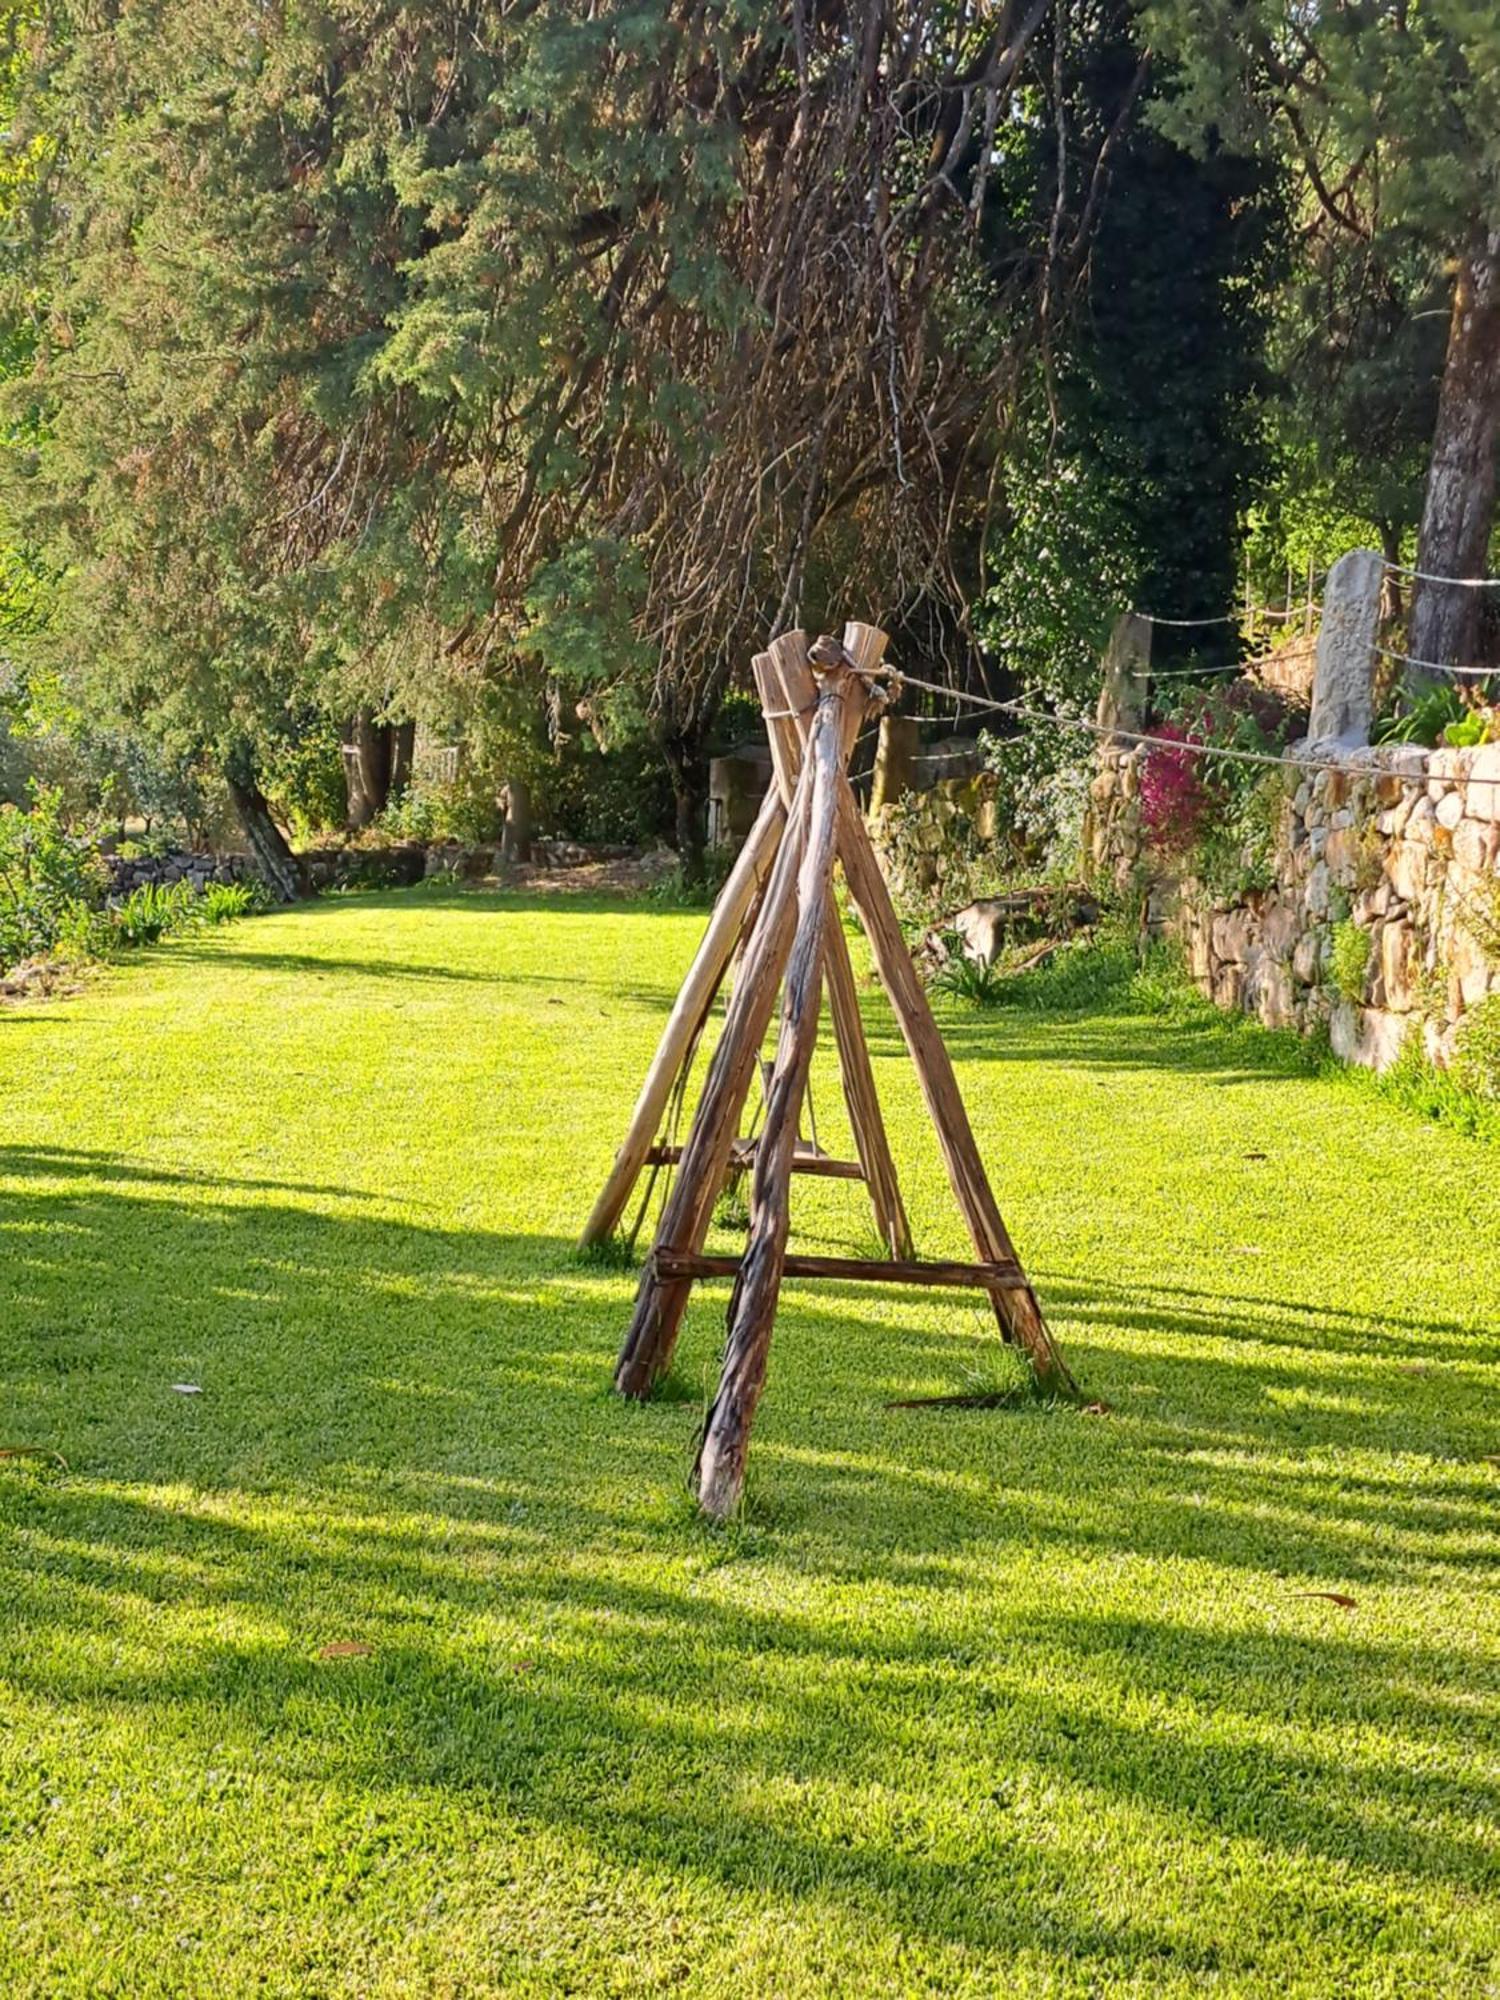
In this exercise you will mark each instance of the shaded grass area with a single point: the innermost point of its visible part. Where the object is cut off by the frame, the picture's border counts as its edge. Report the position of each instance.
(969, 1702)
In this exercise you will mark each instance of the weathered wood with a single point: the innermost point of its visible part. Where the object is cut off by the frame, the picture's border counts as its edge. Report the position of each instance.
(1018, 1312)
(822, 1166)
(659, 1306)
(752, 1311)
(785, 683)
(857, 1270)
(725, 928)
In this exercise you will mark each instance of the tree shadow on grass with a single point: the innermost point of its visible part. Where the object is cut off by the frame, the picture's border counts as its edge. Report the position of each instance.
(404, 1436)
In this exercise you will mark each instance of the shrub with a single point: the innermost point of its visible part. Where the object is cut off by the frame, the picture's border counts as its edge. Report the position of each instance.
(221, 902)
(1476, 1050)
(1227, 808)
(1174, 798)
(50, 874)
(972, 980)
(1425, 720)
(151, 912)
(1350, 961)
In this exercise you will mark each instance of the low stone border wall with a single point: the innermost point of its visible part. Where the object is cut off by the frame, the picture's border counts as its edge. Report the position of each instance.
(1402, 844)
(129, 872)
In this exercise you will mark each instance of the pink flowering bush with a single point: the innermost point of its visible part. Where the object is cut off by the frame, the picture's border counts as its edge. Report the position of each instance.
(1174, 799)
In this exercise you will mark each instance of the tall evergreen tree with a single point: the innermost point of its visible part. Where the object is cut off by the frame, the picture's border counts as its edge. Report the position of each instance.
(395, 343)
(1390, 113)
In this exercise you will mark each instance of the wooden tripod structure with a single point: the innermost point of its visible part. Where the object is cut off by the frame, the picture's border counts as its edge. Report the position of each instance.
(777, 911)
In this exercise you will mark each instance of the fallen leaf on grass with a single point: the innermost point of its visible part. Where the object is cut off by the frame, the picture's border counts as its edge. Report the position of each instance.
(187, 1388)
(33, 1451)
(1255, 1156)
(1333, 1596)
(344, 1649)
(1099, 1409)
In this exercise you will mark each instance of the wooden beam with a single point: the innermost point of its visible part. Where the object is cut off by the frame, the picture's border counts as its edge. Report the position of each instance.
(1006, 1277)
(752, 1310)
(1018, 1312)
(688, 1013)
(785, 683)
(659, 1306)
(822, 1166)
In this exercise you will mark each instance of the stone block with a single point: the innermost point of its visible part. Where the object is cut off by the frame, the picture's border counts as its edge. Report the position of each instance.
(1344, 1031)
(1406, 868)
(1448, 808)
(1397, 955)
(1317, 891)
(1475, 845)
(1231, 935)
(1307, 957)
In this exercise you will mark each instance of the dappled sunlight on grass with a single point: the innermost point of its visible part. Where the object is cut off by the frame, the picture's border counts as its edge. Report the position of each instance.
(968, 1701)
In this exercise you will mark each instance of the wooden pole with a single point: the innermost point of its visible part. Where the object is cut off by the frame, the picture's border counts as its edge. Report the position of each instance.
(689, 1010)
(1018, 1313)
(726, 1433)
(659, 1306)
(785, 682)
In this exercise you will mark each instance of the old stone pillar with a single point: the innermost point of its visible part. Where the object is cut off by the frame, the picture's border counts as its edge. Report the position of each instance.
(1127, 664)
(1343, 702)
(895, 760)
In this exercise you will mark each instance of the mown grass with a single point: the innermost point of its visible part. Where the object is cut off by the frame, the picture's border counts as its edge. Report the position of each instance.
(1016, 1701)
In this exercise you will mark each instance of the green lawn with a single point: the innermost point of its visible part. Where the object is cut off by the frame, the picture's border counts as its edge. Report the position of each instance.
(970, 1702)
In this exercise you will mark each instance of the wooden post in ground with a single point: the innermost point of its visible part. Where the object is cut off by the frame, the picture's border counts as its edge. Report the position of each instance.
(725, 929)
(659, 1305)
(1019, 1315)
(726, 1432)
(785, 683)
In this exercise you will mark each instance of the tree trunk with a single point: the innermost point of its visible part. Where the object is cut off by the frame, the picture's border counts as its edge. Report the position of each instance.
(515, 836)
(367, 767)
(689, 771)
(1459, 510)
(403, 751)
(279, 867)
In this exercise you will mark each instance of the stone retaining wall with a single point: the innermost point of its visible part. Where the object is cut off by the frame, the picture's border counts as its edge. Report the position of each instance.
(129, 872)
(1402, 844)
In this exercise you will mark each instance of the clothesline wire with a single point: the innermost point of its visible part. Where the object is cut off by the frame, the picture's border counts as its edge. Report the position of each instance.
(1438, 666)
(1136, 737)
(1428, 576)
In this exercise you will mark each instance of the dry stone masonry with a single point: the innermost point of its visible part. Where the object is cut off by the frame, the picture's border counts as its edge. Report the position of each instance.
(1383, 918)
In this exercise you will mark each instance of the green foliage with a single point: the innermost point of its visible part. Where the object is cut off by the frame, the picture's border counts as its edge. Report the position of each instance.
(50, 871)
(1236, 853)
(150, 913)
(1139, 446)
(1349, 958)
(1461, 1096)
(1042, 778)
(975, 981)
(1424, 720)
(1476, 1050)
(680, 887)
(466, 811)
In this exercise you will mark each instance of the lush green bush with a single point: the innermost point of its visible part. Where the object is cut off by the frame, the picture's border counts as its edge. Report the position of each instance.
(1350, 959)
(466, 811)
(973, 980)
(1042, 792)
(50, 874)
(1476, 1050)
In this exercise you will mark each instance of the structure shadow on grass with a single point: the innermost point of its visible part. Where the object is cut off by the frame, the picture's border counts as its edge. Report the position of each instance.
(639, 1716)
(404, 1436)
